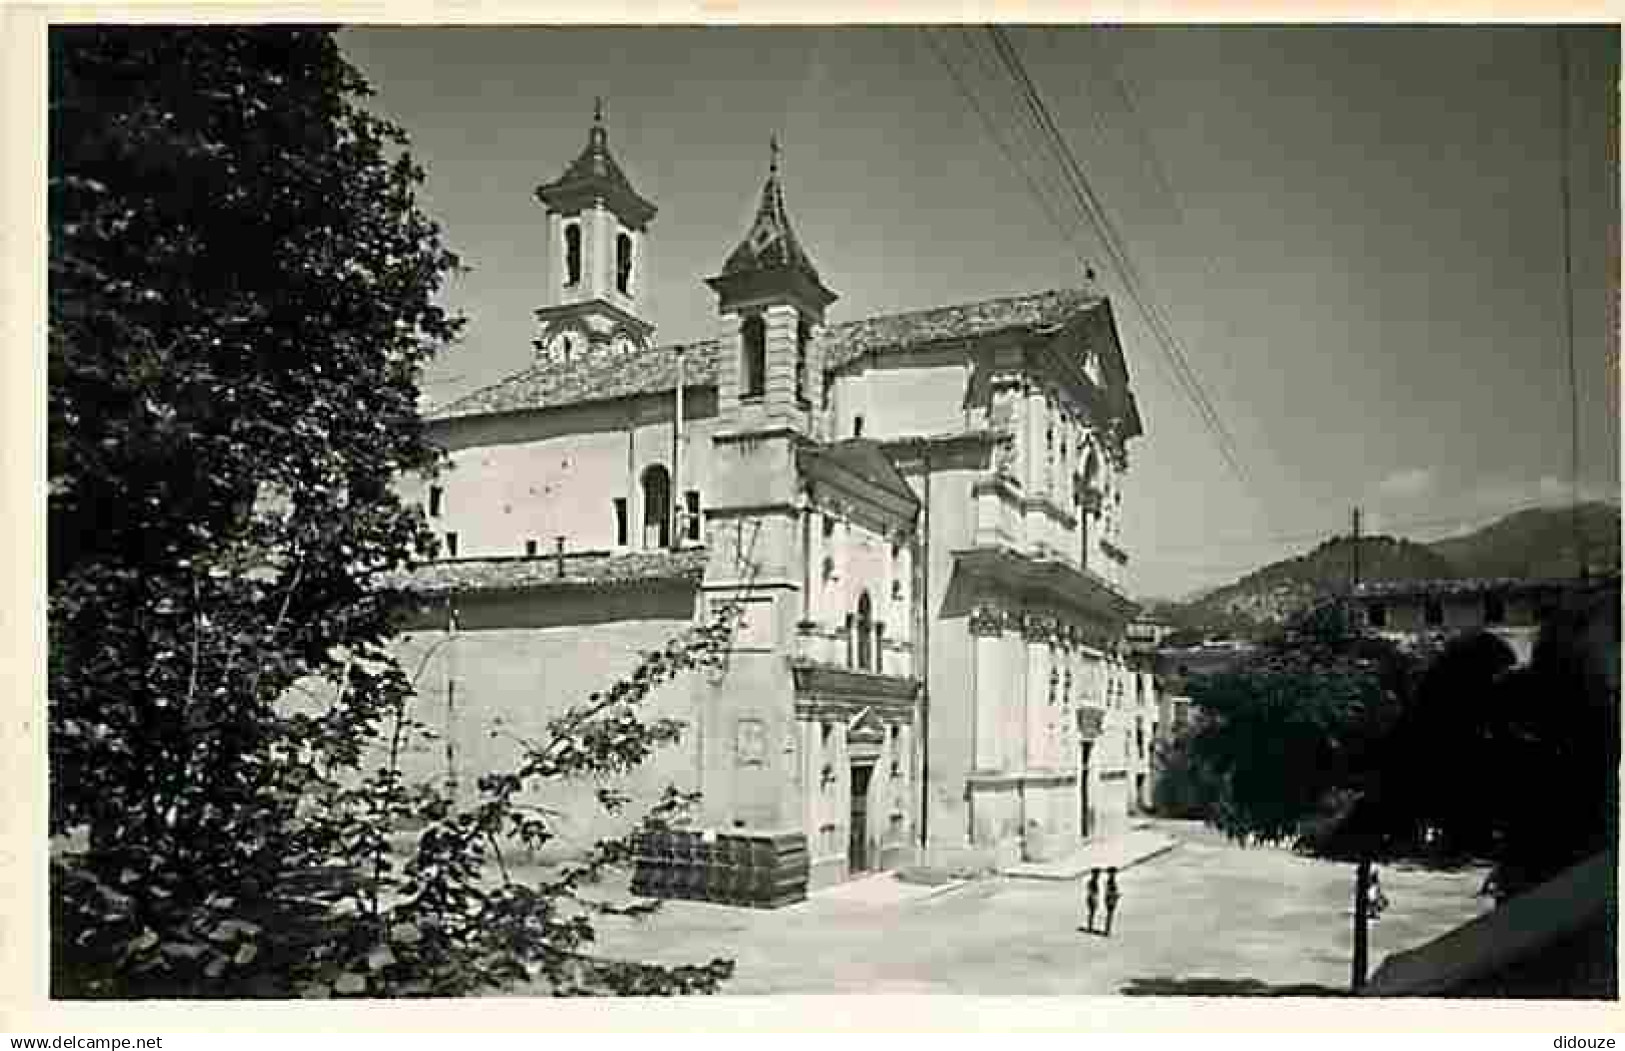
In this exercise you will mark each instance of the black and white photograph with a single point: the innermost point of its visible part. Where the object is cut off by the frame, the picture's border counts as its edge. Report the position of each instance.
(1080, 510)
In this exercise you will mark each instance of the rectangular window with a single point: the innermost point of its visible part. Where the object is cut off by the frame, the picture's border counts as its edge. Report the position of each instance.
(754, 337)
(572, 254)
(451, 545)
(1495, 609)
(1377, 615)
(530, 548)
(857, 426)
(620, 521)
(691, 505)
(436, 498)
(623, 264)
(801, 359)
(1434, 613)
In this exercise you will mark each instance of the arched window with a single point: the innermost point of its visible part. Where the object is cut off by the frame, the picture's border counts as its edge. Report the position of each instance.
(623, 263)
(572, 254)
(754, 378)
(656, 507)
(866, 632)
(1087, 503)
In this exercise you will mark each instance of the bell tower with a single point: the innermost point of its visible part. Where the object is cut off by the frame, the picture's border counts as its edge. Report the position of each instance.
(770, 302)
(770, 305)
(597, 273)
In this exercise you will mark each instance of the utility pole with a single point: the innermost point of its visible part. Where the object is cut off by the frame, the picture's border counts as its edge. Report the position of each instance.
(1362, 868)
(678, 512)
(1565, 131)
(1354, 571)
(451, 698)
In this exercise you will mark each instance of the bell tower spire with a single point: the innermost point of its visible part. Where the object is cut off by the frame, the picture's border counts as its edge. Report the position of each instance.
(771, 301)
(597, 235)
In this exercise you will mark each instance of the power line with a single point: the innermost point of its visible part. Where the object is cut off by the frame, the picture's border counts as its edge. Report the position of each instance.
(1568, 294)
(1016, 125)
(991, 126)
(1181, 375)
(1093, 209)
(1090, 206)
(1044, 195)
(1120, 84)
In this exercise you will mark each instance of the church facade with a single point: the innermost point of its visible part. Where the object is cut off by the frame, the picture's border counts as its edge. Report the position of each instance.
(920, 515)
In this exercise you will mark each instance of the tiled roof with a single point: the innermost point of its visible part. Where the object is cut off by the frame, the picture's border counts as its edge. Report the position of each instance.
(770, 243)
(595, 171)
(595, 568)
(549, 384)
(863, 459)
(843, 343)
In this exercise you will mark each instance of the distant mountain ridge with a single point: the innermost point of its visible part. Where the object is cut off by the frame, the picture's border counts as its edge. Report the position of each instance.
(1534, 543)
(1537, 543)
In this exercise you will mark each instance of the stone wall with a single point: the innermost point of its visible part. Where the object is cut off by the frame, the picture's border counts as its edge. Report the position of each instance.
(534, 477)
(516, 660)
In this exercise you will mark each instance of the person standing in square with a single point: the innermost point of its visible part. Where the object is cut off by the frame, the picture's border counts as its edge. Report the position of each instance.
(1091, 899)
(1112, 897)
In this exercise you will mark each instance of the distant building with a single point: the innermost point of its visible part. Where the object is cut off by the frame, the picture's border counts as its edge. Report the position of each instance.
(1411, 612)
(1180, 663)
(1176, 666)
(1147, 633)
(922, 515)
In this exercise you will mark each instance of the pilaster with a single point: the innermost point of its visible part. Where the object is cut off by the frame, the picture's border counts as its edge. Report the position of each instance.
(779, 395)
(730, 345)
(987, 631)
(1035, 634)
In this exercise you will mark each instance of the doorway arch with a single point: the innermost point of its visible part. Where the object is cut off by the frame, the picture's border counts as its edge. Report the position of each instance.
(656, 507)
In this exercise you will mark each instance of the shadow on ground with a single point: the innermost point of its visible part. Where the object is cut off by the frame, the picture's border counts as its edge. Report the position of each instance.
(1200, 986)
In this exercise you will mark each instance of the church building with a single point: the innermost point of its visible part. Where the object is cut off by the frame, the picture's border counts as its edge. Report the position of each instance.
(920, 514)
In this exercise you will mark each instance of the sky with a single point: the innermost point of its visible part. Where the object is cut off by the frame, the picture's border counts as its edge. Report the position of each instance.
(1355, 233)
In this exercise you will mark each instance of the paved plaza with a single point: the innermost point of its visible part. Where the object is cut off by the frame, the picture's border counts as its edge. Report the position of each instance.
(1204, 918)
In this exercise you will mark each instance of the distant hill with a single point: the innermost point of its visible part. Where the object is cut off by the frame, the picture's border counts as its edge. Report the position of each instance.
(1537, 543)
(1274, 593)
(1532, 543)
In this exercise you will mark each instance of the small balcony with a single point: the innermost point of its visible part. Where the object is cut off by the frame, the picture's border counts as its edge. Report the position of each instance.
(836, 646)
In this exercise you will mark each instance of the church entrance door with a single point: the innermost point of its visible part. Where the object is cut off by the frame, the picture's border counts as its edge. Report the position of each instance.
(1084, 812)
(857, 854)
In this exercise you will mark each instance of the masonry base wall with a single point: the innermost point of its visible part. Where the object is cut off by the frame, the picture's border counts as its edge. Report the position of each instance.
(506, 670)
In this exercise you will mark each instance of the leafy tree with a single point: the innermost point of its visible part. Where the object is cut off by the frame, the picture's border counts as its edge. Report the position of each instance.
(1293, 737)
(1294, 731)
(1384, 750)
(1535, 750)
(242, 295)
(1184, 787)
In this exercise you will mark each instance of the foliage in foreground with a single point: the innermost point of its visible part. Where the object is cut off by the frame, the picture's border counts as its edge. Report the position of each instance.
(242, 295)
(1184, 788)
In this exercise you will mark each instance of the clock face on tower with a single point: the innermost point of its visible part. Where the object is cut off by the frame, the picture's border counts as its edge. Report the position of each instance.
(565, 345)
